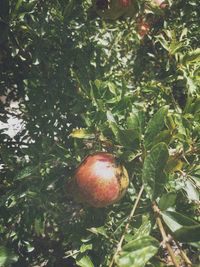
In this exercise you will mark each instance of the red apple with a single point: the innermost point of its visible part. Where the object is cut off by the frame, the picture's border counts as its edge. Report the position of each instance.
(143, 28)
(101, 180)
(124, 3)
(160, 3)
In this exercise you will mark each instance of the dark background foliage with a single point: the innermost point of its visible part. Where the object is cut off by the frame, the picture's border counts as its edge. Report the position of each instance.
(79, 84)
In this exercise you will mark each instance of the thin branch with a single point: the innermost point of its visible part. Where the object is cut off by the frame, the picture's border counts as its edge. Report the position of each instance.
(184, 256)
(119, 246)
(164, 235)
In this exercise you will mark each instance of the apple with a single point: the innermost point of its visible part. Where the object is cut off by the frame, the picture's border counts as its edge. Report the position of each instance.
(160, 3)
(124, 3)
(143, 27)
(100, 180)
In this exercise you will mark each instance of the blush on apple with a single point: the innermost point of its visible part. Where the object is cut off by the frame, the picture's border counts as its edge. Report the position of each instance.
(101, 180)
(124, 3)
(160, 3)
(143, 27)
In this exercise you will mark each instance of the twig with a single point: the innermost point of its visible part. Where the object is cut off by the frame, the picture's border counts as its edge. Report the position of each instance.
(119, 246)
(164, 235)
(183, 254)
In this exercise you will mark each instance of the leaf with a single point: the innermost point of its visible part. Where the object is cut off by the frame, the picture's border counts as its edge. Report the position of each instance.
(128, 138)
(82, 134)
(137, 252)
(85, 247)
(183, 228)
(164, 136)
(173, 164)
(144, 229)
(6, 257)
(68, 9)
(84, 261)
(191, 57)
(112, 88)
(3, 255)
(167, 200)
(192, 87)
(39, 226)
(26, 172)
(98, 231)
(192, 192)
(153, 175)
(155, 125)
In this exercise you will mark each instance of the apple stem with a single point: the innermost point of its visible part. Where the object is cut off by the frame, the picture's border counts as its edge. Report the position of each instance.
(119, 246)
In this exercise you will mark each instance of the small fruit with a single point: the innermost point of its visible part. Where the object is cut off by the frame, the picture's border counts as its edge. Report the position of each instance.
(100, 180)
(143, 27)
(124, 3)
(161, 3)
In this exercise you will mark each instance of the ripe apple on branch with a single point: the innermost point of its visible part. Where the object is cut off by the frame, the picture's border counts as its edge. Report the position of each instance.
(100, 180)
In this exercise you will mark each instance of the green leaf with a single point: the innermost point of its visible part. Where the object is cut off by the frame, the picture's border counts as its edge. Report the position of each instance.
(112, 88)
(191, 57)
(68, 9)
(98, 231)
(84, 261)
(6, 257)
(85, 247)
(182, 227)
(191, 191)
(155, 125)
(137, 252)
(26, 172)
(3, 255)
(153, 175)
(39, 226)
(144, 229)
(82, 134)
(128, 138)
(167, 200)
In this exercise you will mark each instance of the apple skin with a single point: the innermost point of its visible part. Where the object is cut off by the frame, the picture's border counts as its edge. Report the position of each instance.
(160, 3)
(100, 180)
(124, 3)
(143, 27)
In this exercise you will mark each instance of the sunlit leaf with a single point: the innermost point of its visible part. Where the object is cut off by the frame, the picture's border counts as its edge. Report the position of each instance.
(82, 134)
(137, 252)
(183, 228)
(84, 261)
(153, 174)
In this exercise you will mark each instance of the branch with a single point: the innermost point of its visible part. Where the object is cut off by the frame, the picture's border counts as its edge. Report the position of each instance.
(119, 246)
(183, 255)
(164, 235)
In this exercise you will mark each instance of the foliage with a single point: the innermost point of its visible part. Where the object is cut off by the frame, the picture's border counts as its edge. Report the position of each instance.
(85, 84)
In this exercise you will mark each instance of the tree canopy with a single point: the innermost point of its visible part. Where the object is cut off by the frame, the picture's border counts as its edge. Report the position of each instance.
(88, 76)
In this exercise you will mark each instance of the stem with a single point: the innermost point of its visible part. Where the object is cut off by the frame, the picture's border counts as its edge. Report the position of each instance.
(164, 235)
(183, 255)
(119, 246)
